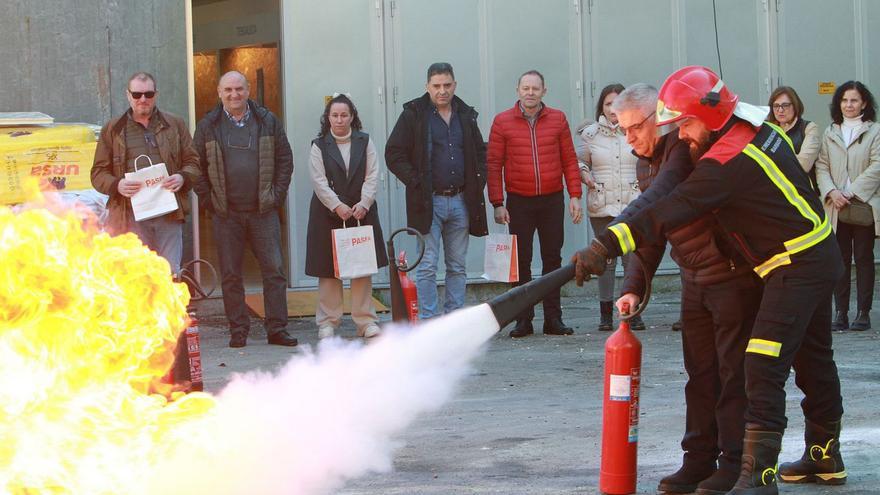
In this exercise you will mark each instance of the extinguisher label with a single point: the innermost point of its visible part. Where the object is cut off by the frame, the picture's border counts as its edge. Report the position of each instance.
(619, 388)
(635, 379)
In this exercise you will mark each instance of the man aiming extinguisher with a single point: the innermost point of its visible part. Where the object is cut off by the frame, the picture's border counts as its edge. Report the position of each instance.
(746, 172)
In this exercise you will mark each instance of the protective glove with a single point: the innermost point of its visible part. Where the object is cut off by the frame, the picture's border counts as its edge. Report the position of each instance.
(590, 261)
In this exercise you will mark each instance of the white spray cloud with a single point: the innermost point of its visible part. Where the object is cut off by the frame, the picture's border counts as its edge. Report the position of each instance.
(327, 417)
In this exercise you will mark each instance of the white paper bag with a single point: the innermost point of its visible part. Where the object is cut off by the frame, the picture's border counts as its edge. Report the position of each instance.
(152, 200)
(502, 261)
(354, 252)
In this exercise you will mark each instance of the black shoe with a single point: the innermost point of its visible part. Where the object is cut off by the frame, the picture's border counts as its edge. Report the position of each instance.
(821, 462)
(841, 322)
(238, 339)
(687, 477)
(757, 475)
(719, 483)
(281, 337)
(606, 315)
(636, 323)
(555, 326)
(862, 322)
(523, 328)
(676, 327)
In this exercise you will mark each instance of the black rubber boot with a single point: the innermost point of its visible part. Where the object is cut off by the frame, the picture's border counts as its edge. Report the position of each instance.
(821, 462)
(841, 321)
(862, 322)
(606, 314)
(687, 477)
(757, 475)
(719, 483)
(636, 323)
(522, 329)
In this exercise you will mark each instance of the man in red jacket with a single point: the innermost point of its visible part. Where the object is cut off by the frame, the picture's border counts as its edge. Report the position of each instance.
(532, 157)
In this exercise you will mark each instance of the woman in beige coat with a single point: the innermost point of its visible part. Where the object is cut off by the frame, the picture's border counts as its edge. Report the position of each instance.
(608, 168)
(848, 170)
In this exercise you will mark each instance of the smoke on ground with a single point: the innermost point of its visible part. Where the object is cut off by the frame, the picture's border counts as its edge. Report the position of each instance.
(325, 417)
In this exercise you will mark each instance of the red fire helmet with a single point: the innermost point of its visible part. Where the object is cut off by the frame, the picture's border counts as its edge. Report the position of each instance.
(695, 92)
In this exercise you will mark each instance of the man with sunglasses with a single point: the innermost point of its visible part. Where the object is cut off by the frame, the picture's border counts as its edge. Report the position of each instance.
(246, 165)
(164, 138)
(719, 299)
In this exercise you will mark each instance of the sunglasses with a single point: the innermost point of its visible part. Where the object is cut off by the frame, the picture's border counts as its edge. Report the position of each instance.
(137, 94)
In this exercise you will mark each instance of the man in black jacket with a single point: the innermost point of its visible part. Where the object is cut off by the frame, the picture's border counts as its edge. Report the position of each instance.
(749, 176)
(719, 299)
(246, 166)
(437, 151)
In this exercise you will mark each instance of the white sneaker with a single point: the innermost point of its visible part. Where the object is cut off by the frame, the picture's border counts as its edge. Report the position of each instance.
(371, 330)
(325, 332)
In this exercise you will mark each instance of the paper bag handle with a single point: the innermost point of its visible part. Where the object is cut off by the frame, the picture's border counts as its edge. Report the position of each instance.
(138, 158)
(344, 226)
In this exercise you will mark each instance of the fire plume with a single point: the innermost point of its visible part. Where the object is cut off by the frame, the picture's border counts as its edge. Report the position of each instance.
(88, 325)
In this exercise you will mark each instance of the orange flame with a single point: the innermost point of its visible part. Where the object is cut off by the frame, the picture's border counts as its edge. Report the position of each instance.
(88, 325)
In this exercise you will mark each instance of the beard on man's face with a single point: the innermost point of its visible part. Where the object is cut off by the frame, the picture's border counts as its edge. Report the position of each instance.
(698, 148)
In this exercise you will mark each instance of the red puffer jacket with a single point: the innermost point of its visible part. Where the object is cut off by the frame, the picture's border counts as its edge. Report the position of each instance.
(532, 161)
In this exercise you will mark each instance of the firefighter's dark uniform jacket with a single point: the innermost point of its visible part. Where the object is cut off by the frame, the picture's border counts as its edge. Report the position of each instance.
(771, 218)
(751, 179)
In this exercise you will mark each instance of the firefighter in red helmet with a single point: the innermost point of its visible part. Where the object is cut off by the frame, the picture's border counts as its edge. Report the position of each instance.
(746, 172)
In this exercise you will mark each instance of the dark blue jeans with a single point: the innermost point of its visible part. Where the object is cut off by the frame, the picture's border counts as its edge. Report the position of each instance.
(262, 232)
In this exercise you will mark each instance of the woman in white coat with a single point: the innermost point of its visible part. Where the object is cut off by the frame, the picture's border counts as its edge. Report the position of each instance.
(608, 168)
(848, 172)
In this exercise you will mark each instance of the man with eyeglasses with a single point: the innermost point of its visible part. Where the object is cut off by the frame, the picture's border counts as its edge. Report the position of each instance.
(719, 299)
(164, 138)
(246, 165)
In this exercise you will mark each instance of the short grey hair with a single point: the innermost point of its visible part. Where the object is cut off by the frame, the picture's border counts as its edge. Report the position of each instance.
(638, 96)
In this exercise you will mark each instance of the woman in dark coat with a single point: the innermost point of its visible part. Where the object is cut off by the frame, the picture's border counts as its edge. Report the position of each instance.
(344, 174)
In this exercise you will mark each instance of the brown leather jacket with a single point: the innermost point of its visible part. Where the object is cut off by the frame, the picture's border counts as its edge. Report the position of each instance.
(175, 148)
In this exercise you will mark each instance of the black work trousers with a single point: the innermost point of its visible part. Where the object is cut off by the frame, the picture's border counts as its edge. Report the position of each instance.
(716, 323)
(855, 241)
(544, 214)
(793, 328)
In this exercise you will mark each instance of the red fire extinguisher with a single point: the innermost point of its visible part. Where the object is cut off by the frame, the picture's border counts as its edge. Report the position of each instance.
(620, 418)
(408, 287)
(187, 368)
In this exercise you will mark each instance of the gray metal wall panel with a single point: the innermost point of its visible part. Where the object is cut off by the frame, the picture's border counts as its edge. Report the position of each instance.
(804, 62)
(71, 59)
(314, 70)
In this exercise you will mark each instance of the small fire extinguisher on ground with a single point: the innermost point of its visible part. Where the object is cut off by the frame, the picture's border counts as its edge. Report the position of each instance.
(620, 418)
(187, 368)
(408, 287)
(404, 297)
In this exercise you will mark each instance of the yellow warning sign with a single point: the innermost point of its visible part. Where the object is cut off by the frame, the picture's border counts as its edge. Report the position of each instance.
(827, 88)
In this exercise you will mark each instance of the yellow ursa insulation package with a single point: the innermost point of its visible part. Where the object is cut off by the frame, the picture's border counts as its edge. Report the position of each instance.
(59, 157)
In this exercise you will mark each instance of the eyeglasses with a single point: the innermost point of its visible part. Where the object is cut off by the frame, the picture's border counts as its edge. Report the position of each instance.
(636, 127)
(137, 94)
(150, 138)
(781, 106)
(239, 145)
(337, 95)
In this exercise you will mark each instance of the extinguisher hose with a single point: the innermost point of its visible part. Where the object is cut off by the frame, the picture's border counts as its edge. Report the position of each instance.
(646, 297)
(393, 256)
(506, 307)
(187, 275)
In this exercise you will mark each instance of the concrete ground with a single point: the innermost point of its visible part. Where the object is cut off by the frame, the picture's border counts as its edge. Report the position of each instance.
(528, 418)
